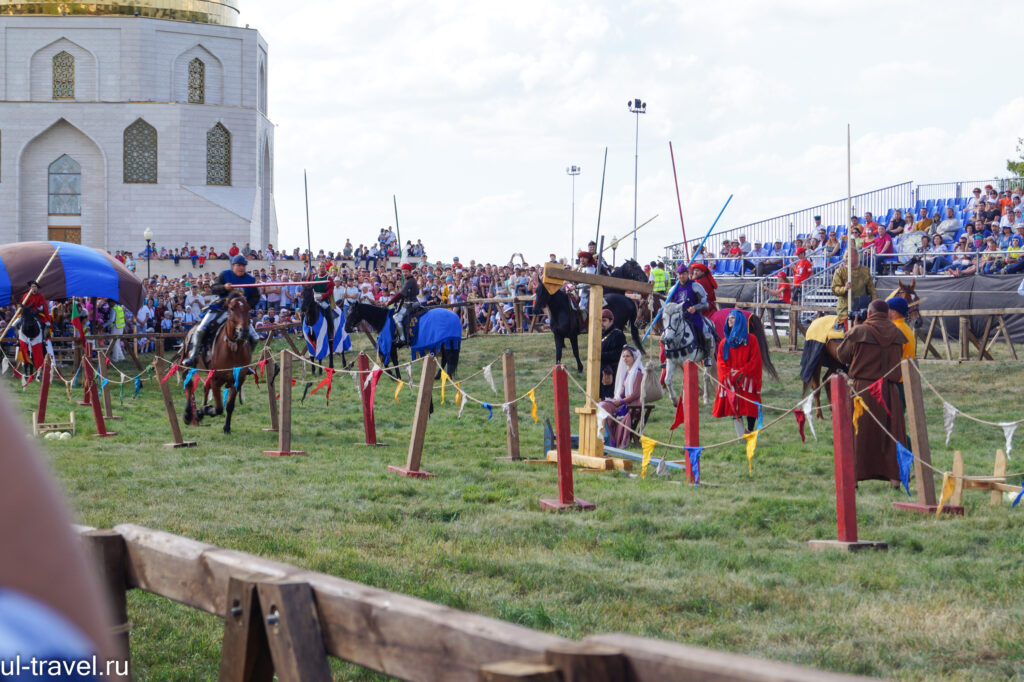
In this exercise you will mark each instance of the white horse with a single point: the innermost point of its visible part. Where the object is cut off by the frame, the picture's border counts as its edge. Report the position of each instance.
(680, 342)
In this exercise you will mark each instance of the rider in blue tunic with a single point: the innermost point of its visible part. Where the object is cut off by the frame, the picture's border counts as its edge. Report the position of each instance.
(222, 287)
(693, 299)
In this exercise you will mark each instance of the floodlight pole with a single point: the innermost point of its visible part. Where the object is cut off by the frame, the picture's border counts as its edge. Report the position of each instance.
(573, 171)
(636, 107)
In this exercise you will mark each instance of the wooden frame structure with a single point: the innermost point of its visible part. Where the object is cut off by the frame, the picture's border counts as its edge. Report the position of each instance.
(590, 453)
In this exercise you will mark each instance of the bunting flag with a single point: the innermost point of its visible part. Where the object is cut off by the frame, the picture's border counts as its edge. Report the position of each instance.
(408, 372)
(444, 379)
(224, 395)
(103, 383)
(490, 410)
(262, 364)
(878, 394)
(1008, 429)
(680, 415)
(801, 420)
(120, 394)
(188, 377)
(760, 417)
(751, 439)
(905, 458)
(706, 382)
(490, 378)
(533, 406)
(662, 469)
(374, 380)
(255, 377)
(458, 393)
(138, 385)
(602, 415)
(6, 365)
(462, 406)
(694, 455)
(74, 379)
(506, 408)
(209, 380)
(398, 389)
(858, 412)
(76, 321)
(948, 487)
(237, 372)
(1016, 500)
(195, 383)
(948, 417)
(805, 406)
(647, 444)
(327, 380)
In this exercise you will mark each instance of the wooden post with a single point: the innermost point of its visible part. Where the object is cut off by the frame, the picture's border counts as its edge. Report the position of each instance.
(999, 472)
(268, 375)
(958, 473)
(588, 662)
(44, 392)
(101, 359)
(369, 424)
(846, 484)
(517, 308)
(84, 360)
(917, 429)
(419, 422)
(293, 632)
(691, 407)
(590, 444)
(94, 400)
(172, 414)
(792, 327)
(508, 370)
(108, 550)
(284, 431)
(519, 671)
(245, 653)
(471, 319)
(965, 353)
(563, 443)
(130, 345)
(158, 347)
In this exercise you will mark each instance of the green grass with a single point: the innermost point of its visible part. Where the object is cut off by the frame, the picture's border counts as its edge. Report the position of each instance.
(724, 566)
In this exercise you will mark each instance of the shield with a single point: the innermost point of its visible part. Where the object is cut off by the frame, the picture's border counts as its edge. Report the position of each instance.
(76, 271)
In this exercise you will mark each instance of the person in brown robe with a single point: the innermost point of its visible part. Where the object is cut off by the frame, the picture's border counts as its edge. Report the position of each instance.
(871, 349)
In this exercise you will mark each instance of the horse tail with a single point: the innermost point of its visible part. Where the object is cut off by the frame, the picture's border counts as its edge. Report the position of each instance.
(757, 329)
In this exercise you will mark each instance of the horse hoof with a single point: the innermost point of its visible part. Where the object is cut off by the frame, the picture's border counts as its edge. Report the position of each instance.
(227, 430)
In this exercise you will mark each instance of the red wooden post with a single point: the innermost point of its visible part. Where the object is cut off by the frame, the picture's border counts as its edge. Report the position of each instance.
(44, 391)
(846, 480)
(563, 443)
(369, 424)
(86, 357)
(691, 408)
(94, 399)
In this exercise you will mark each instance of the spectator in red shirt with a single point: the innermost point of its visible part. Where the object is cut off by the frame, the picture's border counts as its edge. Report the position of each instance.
(233, 251)
(871, 223)
(802, 271)
(782, 293)
(883, 247)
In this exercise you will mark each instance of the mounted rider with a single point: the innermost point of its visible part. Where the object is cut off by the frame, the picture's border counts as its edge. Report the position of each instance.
(323, 290)
(693, 299)
(215, 313)
(407, 299)
(38, 304)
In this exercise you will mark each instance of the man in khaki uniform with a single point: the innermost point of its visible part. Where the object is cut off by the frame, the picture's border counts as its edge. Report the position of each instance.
(862, 284)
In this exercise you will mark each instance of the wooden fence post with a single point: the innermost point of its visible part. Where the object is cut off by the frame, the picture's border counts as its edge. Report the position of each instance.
(108, 550)
(517, 307)
(419, 422)
(471, 320)
(691, 408)
(44, 392)
(172, 414)
(245, 653)
(588, 662)
(101, 359)
(369, 423)
(563, 444)
(91, 388)
(268, 375)
(284, 430)
(846, 484)
(508, 370)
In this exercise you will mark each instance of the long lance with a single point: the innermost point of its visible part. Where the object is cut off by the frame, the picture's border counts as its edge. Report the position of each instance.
(398, 230)
(688, 264)
(600, 203)
(672, 154)
(309, 242)
(39, 278)
(615, 242)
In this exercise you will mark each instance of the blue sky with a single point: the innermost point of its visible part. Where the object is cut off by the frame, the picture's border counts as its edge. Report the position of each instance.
(470, 112)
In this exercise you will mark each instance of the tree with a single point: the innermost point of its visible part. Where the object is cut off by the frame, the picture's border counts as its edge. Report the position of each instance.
(1017, 167)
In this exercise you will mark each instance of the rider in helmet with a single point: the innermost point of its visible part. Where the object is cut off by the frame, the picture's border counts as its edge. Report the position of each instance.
(406, 298)
(37, 302)
(693, 299)
(222, 287)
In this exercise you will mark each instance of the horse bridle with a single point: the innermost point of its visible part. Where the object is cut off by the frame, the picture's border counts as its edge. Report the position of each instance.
(684, 349)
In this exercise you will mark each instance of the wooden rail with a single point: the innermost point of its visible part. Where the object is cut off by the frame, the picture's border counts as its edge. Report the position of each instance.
(306, 616)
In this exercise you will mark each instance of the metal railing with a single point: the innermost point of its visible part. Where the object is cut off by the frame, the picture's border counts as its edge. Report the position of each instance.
(787, 226)
(951, 190)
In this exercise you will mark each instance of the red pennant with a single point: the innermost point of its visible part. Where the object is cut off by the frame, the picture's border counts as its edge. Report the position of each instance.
(326, 382)
(174, 368)
(195, 383)
(876, 392)
(255, 377)
(680, 416)
(262, 366)
(107, 359)
(801, 419)
(208, 381)
(374, 378)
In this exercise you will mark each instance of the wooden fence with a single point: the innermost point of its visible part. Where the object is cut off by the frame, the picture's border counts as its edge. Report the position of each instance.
(283, 619)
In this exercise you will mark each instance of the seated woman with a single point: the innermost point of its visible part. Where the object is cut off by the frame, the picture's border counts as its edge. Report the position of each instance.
(1015, 256)
(936, 259)
(739, 374)
(912, 249)
(833, 247)
(629, 380)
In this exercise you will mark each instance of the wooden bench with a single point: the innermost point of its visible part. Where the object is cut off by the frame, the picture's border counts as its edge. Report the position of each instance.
(634, 420)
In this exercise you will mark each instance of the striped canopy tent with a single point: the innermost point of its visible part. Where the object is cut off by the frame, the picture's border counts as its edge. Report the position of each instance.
(76, 271)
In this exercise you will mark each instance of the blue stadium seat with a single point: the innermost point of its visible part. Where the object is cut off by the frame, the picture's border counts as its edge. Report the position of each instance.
(917, 207)
(720, 267)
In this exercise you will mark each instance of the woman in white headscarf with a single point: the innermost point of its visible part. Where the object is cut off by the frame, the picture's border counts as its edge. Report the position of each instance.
(629, 381)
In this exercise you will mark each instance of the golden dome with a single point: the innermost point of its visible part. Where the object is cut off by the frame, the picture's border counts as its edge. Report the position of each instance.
(224, 12)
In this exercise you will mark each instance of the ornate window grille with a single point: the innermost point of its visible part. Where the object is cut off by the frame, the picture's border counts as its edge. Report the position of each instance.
(63, 76)
(140, 153)
(218, 156)
(196, 81)
(65, 187)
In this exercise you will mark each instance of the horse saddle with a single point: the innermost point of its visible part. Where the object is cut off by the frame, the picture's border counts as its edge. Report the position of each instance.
(412, 320)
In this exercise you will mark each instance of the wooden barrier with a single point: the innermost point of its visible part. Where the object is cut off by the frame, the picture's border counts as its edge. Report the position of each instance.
(172, 414)
(319, 615)
(563, 444)
(997, 484)
(846, 483)
(508, 371)
(691, 408)
(369, 423)
(90, 388)
(39, 424)
(284, 430)
(270, 370)
(419, 422)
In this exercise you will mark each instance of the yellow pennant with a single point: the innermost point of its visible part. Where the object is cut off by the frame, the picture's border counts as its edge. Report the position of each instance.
(948, 487)
(398, 388)
(751, 439)
(444, 378)
(533, 408)
(458, 393)
(858, 412)
(648, 447)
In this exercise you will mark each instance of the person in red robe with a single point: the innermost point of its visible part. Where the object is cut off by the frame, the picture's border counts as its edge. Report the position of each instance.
(38, 303)
(702, 275)
(739, 374)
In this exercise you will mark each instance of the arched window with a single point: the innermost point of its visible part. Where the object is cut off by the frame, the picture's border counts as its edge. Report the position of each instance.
(218, 156)
(65, 187)
(140, 152)
(196, 81)
(263, 89)
(63, 76)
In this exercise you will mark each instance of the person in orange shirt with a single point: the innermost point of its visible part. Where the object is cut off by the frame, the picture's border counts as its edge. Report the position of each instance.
(802, 271)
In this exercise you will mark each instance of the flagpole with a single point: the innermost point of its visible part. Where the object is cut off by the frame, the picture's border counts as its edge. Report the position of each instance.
(309, 242)
(849, 238)
(600, 203)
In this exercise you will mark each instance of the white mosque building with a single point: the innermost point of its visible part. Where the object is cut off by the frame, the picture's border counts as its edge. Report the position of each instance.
(116, 117)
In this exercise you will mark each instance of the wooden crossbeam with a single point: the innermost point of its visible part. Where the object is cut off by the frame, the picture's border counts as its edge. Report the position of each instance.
(554, 271)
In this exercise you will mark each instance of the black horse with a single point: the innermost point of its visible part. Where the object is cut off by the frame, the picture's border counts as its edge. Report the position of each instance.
(377, 317)
(311, 315)
(565, 323)
(30, 328)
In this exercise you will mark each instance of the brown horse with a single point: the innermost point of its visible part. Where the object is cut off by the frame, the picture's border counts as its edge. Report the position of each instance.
(817, 354)
(230, 350)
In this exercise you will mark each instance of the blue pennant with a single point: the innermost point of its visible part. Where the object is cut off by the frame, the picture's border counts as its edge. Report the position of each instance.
(74, 381)
(103, 383)
(1016, 500)
(905, 458)
(138, 385)
(489, 408)
(694, 454)
(224, 395)
(188, 378)
(236, 371)
(760, 417)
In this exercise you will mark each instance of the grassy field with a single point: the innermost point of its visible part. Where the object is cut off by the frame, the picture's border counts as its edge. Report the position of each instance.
(724, 566)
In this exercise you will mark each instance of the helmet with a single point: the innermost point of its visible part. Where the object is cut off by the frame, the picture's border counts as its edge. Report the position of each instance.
(239, 260)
